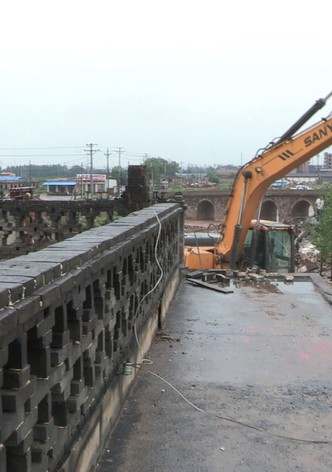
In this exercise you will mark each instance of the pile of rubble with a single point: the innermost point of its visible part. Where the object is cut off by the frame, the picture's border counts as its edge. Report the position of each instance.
(308, 259)
(224, 281)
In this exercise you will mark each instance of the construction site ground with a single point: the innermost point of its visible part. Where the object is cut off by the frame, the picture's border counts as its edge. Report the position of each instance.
(238, 381)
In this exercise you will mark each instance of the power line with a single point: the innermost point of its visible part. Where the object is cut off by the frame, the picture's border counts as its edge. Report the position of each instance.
(39, 148)
(40, 155)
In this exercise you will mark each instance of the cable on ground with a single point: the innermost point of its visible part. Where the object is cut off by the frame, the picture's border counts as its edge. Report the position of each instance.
(232, 420)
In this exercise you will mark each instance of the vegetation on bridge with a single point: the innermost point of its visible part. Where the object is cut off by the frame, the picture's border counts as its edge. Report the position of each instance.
(321, 233)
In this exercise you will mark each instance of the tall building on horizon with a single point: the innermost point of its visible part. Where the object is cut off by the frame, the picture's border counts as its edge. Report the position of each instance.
(328, 160)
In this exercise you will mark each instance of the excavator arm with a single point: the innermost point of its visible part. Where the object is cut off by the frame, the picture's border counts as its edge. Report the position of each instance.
(255, 177)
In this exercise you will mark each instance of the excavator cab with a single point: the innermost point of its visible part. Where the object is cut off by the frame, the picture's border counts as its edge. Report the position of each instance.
(270, 246)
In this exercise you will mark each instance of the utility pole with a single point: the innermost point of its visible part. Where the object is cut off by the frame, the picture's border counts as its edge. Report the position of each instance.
(107, 171)
(120, 151)
(82, 181)
(91, 152)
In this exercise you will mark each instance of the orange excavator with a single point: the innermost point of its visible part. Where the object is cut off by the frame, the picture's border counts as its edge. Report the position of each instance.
(244, 241)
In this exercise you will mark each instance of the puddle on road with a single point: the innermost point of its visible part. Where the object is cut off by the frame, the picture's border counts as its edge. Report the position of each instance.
(264, 286)
(278, 286)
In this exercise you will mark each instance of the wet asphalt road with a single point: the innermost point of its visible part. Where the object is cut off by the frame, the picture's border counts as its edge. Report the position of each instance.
(252, 373)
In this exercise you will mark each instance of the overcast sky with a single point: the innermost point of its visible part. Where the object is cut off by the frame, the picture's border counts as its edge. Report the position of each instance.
(198, 82)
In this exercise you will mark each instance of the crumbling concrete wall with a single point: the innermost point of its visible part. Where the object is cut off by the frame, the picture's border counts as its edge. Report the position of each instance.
(72, 316)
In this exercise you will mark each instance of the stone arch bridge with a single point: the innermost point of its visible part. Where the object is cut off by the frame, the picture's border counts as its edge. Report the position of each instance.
(279, 205)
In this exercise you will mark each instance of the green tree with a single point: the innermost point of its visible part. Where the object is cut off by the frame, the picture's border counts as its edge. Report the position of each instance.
(213, 176)
(157, 167)
(321, 236)
(117, 172)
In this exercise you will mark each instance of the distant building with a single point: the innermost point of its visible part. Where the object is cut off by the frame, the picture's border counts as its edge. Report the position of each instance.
(303, 168)
(328, 160)
(8, 180)
(100, 184)
(60, 187)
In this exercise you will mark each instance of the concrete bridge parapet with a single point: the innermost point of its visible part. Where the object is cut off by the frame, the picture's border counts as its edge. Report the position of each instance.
(31, 225)
(72, 316)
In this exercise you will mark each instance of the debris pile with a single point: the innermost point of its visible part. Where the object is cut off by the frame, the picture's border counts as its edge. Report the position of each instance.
(213, 279)
(308, 258)
(224, 281)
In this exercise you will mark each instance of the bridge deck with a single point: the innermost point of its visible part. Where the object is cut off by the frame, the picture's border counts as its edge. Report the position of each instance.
(254, 367)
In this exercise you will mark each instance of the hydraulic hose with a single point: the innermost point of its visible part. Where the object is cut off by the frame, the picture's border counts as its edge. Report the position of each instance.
(304, 118)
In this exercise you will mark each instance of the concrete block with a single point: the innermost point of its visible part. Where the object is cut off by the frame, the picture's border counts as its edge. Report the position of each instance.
(12, 400)
(10, 421)
(69, 258)
(49, 295)
(61, 390)
(40, 462)
(89, 326)
(89, 354)
(99, 327)
(42, 272)
(66, 283)
(51, 255)
(28, 311)
(75, 312)
(100, 367)
(8, 319)
(23, 446)
(77, 386)
(3, 460)
(60, 339)
(76, 330)
(60, 413)
(9, 293)
(88, 401)
(41, 342)
(27, 282)
(99, 306)
(3, 355)
(42, 326)
(58, 449)
(23, 428)
(16, 378)
(75, 401)
(19, 463)
(81, 276)
(40, 361)
(256, 277)
(223, 279)
(43, 431)
(17, 351)
(78, 368)
(89, 376)
(42, 453)
(58, 356)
